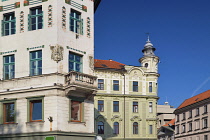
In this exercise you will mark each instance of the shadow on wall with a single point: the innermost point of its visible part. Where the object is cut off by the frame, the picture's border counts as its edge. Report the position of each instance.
(102, 127)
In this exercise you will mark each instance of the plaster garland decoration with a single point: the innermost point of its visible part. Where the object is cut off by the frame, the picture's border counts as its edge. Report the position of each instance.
(116, 117)
(135, 118)
(57, 53)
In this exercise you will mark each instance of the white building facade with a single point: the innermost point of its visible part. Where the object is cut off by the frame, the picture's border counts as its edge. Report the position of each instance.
(47, 62)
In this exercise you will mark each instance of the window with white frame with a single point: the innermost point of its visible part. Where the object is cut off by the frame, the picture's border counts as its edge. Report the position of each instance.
(205, 137)
(9, 67)
(183, 116)
(75, 62)
(177, 118)
(135, 86)
(100, 84)
(76, 22)
(8, 24)
(35, 18)
(36, 63)
(150, 107)
(135, 107)
(150, 86)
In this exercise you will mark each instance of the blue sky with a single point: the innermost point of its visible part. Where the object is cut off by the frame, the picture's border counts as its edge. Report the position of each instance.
(179, 30)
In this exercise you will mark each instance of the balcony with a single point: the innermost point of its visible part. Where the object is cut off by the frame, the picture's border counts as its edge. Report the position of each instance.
(80, 84)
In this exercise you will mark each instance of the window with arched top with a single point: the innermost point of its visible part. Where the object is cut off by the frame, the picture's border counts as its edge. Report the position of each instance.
(146, 65)
(135, 128)
(116, 128)
(100, 128)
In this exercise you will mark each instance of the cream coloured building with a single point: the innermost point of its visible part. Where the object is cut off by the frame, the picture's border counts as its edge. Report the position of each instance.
(126, 102)
(46, 62)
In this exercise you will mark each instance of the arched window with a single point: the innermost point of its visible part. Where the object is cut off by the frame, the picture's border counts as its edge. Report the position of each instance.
(146, 65)
(116, 128)
(135, 128)
(100, 128)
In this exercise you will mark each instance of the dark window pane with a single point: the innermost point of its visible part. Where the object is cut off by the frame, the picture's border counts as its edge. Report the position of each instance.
(37, 110)
(9, 112)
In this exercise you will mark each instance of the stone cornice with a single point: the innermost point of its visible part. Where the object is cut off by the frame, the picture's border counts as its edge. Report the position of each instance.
(126, 95)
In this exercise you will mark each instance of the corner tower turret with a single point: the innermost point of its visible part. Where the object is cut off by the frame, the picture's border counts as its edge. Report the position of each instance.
(149, 60)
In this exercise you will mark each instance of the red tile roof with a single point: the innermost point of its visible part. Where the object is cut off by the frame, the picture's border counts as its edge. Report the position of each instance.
(172, 122)
(195, 99)
(108, 64)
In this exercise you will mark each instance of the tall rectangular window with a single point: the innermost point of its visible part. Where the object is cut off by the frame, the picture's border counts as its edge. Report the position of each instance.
(183, 116)
(177, 118)
(197, 112)
(35, 18)
(183, 128)
(150, 86)
(177, 129)
(8, 24)
(116, 85)
(76, 22)
(75, 62)
(190, 114)
(150, 129)
(135, 106)
(205, 122)
(135, 86)
(101, 105)
(35, 110)
(190, 126)
(36, 63)
(197, 124)
(76, 111)
(9, 67)
(205, 109)
(150, 107)
(101, 84)
(115, 106)
(9, 113)
(205, 137)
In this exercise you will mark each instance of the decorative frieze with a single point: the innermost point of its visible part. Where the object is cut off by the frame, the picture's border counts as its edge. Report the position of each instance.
(1, 53)
(75, 50)
(50, 20)
(88, 27)
(38, 47)
(63, 17)
(76, 5)
(21, 21)
(32, 2)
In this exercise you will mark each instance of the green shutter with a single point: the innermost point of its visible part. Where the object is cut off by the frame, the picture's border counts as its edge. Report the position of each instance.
(81, 32)
(42, 19)
(29, 22)
(2, 27)
(15, 24)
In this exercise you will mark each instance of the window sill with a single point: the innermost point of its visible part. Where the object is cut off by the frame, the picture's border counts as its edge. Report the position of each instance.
(204, 127)
(197, 115)
(205, 113)
(72, 122)
(8, 124)
(35, 123)
(197, 129)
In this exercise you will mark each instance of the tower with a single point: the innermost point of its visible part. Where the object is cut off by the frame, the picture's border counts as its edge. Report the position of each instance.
(46, 62)
(149, 60)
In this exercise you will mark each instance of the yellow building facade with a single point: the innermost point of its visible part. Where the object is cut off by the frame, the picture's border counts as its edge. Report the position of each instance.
(126, 101)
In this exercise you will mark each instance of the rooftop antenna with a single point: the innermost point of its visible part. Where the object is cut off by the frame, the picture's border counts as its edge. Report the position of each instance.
(166, 102)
